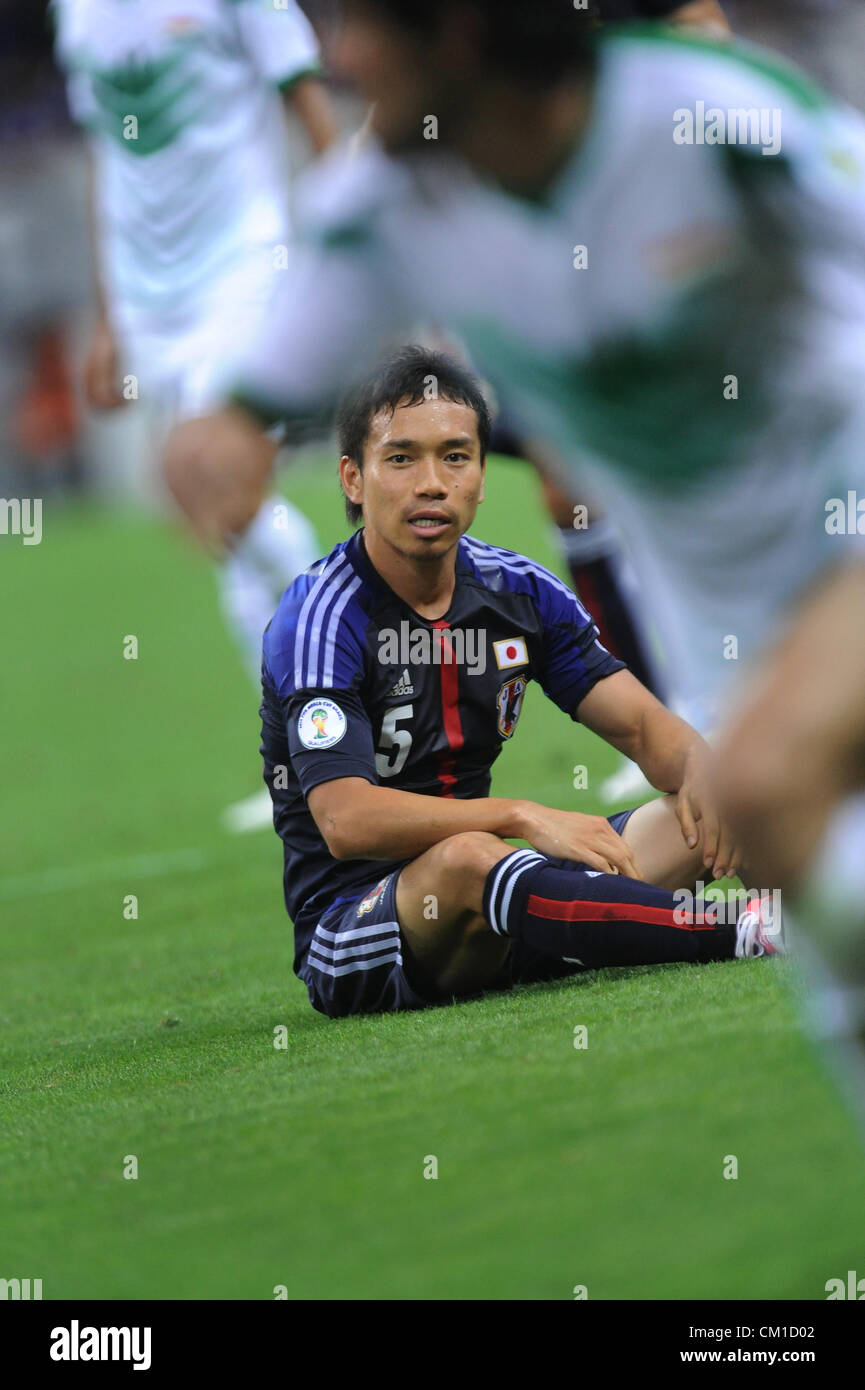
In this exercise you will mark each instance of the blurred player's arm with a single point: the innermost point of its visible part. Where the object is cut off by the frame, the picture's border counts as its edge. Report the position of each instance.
(702, 14)
(101, 365)
(283, 46)
(705, 15)
(308, 99)
(102, 362)
(671, 755)
(797, 746)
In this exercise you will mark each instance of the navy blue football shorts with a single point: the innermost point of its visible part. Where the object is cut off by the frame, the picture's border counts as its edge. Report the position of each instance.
(354, 964)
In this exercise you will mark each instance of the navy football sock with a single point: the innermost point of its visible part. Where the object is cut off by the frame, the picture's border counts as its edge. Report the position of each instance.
(572, 913)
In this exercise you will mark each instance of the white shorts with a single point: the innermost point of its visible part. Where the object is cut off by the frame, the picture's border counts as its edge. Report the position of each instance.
(184, 366)
(725, 563)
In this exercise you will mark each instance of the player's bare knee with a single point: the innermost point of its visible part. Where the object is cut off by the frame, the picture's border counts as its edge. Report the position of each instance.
(472, 853)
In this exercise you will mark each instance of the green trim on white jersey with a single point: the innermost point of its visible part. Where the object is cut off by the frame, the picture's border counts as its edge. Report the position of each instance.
(162, 97)
(740, 53)
(286, 84)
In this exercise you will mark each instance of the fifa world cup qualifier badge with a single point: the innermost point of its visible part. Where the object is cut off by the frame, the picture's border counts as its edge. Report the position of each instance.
(321, 724)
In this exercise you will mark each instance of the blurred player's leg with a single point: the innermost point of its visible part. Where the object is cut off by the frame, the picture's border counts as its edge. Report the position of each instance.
(593, 554)
(830, 941)
(278, 545)
(279, 542)
(792, 765)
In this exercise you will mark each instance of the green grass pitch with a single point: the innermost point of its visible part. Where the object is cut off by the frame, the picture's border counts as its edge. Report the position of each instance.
(304, 1167)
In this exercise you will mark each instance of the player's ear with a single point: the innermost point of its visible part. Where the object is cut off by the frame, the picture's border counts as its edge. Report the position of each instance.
(350, 476)
(483, 480)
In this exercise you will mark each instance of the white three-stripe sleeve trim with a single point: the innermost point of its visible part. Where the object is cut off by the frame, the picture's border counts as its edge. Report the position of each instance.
(333, 629)
(317, 619)
(496, 557)
(323, 583)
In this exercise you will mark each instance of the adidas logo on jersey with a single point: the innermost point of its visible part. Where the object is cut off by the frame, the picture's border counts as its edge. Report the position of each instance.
(403, 685)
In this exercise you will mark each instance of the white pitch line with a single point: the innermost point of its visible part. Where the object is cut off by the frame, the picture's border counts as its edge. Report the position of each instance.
(134, 867)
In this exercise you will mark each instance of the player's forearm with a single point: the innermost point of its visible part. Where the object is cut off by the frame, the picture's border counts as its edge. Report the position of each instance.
(663, 747)
(310, 102)
(384, 823)
(93, 218)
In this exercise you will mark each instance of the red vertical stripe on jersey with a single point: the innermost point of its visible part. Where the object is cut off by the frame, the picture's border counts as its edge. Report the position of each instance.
(450, 691)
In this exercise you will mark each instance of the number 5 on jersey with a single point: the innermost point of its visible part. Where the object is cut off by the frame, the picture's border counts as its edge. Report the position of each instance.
(394, 744)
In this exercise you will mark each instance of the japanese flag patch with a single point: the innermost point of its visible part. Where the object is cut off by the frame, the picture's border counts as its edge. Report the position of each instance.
(511, 651)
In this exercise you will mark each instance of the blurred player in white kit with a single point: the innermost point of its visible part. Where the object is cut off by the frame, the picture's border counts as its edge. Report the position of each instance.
(185, 104)
(653, 249)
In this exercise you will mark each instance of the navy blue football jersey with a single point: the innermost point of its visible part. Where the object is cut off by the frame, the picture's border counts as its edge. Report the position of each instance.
(357, 684)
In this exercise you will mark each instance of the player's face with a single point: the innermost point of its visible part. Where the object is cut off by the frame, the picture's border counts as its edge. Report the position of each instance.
(405, 76)
(422, 479)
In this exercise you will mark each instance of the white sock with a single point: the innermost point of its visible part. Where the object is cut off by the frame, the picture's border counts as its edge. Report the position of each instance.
(276, 547)
(831, 906)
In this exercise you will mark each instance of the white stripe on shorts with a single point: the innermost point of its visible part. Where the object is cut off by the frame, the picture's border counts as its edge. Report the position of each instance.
(365, 949)
(356, 932)
(324, 969)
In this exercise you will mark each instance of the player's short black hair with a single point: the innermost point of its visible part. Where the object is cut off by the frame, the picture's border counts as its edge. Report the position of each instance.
(409, 376)
(535, 42)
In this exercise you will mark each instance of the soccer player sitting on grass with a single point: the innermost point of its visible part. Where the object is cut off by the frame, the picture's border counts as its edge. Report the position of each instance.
(393, 671)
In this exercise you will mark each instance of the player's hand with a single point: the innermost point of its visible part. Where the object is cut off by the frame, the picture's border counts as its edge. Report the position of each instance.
(102, 370)
(706, 16)
(218, 469)
(700, 820)
(572, 835)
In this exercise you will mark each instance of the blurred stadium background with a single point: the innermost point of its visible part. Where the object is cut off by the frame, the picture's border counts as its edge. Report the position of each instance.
(262, 1167)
